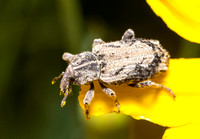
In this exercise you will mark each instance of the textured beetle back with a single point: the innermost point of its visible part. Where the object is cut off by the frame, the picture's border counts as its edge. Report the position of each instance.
(129, 63)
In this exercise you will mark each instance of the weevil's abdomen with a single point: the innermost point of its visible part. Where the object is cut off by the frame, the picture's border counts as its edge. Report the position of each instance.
(129, 63)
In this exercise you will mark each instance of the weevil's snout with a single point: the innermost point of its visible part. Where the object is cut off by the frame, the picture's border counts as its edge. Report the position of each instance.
(67, 56)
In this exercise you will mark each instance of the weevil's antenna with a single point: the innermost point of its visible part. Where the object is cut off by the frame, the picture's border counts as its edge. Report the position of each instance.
(56, 78)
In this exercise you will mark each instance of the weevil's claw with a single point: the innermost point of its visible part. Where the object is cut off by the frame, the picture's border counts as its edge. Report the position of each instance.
(87, 111)
(61, 92)
(87, 114)
(170, 92)
(63, 103)
(65, 92)
(54, 80)
(117, 105)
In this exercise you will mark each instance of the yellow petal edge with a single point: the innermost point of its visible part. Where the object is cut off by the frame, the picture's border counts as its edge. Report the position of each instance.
(156, 105)
(188, 131)
(181, 16)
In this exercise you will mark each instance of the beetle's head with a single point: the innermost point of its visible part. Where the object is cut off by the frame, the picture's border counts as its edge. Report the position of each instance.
(83, 67)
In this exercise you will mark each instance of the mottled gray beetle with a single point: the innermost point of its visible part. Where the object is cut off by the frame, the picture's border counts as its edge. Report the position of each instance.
(129, 61)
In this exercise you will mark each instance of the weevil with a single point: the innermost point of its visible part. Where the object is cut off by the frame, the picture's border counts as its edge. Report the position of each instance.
(130, 61)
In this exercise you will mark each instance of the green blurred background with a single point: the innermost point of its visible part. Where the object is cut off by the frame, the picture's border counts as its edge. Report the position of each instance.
(33, 36)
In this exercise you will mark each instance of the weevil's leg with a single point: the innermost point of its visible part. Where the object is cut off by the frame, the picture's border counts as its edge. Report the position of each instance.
(56, 78)
(87, 100)
(65, 89)
(66, 85)
(149, 83)
(112, 94)
(66, 93)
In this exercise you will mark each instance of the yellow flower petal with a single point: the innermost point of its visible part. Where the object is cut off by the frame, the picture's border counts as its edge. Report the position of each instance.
(156, 105)
(182, 16)
(188, 131)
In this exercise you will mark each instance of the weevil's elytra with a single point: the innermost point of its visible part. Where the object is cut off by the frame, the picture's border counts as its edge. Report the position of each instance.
(130, 61)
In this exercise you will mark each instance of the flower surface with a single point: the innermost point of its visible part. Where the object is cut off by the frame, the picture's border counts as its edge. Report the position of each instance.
(181, 16)
(153, 104)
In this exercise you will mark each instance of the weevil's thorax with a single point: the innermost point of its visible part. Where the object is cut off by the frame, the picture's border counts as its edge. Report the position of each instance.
(85, 68)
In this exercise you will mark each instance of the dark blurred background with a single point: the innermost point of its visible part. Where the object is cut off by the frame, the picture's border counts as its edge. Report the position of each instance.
(33, 36)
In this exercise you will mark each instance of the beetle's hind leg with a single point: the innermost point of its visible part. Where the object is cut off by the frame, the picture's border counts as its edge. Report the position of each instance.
(112, 94)
(87, 100)
(148, 83)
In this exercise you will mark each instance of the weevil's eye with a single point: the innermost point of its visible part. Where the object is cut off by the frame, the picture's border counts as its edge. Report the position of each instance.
(97, 42)
(86, 57)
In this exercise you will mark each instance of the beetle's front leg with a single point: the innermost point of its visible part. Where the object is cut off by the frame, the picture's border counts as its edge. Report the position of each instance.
(65, 89)
(148, 83)
(112, 94)
(87, 100)
(66, 86)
